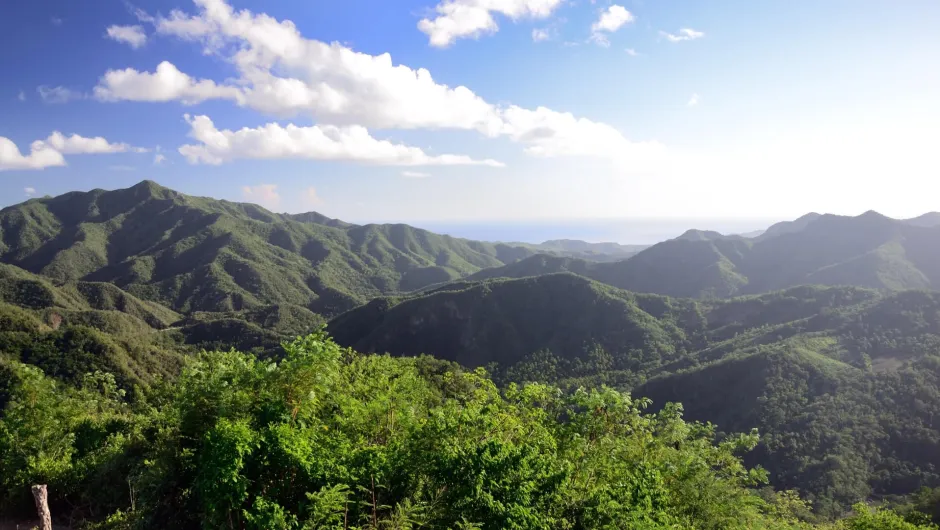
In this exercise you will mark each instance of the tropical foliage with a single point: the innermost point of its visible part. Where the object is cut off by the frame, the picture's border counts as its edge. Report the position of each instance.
(327, 438)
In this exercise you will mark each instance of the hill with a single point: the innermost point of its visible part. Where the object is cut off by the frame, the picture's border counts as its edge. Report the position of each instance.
(870, 250)
(503, 321)
(75, 328)
(828, 375)
(789, 227)
(930, 219)
(200, 254)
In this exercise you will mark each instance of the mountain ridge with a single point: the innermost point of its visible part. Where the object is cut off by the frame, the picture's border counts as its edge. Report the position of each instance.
(869, 250)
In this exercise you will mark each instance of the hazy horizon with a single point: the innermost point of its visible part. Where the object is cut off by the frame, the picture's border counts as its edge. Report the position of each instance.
(627, 231)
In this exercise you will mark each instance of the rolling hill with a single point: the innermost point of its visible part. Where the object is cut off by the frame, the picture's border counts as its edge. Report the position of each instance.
(870, 250)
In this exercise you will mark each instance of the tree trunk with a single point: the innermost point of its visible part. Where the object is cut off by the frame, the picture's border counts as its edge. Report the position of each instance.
(40, 494)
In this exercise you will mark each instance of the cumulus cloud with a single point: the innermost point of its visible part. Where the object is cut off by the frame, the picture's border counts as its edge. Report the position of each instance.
(49, 152)
(611, 20)
(30, 191)
(415, 174)
(41, 156)
(632, 53)
(79, 145)
(460, 19)
(264, 194)
(693, 101)
(159, 159)
(58, 94)
(319, 142)
(167, 83)
(133, 36)
(21, 96)
(683, 35)
(283, 74)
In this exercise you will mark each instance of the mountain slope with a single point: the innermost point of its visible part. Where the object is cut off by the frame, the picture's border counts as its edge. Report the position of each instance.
(870, 250)
(194, 253)
(503, 321)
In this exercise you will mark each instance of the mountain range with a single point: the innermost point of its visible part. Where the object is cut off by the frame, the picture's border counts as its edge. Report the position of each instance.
(841, 377)
(869, 250)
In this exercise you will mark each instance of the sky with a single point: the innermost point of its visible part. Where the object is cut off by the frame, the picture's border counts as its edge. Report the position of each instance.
(444, 112)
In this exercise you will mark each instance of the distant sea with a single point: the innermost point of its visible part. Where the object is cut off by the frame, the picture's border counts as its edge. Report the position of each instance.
(635, 231)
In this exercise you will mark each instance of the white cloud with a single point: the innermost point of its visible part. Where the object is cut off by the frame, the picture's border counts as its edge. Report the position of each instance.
(415, 174)
(56, 21)
(319, 142)
(41, 156)
(611, 20)
(133, 36)
(460, 19)
(159, 159)
(166, 84)
(264, 194)
(79, 145)
(684, 34)
(311, 198)
(30, 191)
(58, 94)
(632, 53)
(539, 35)
(548, 133)
(694, 100)
(21, 96)
(48, 152)
(282, 74)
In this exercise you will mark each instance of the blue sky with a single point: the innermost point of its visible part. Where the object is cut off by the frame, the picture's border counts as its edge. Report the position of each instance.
(569, 109)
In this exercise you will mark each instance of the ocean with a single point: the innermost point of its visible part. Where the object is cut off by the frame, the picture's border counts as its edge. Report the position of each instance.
(635, 231)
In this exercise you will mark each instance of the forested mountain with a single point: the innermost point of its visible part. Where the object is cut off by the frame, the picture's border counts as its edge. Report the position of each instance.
(870, 250)
(108, 299)
(200, 254)
(843, 382)
(503, 321)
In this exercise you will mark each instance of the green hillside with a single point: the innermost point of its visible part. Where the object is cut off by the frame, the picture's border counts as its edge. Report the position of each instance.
(200, 254)
(503, 321)
(828, 375)
(75, 328)
(866, 251)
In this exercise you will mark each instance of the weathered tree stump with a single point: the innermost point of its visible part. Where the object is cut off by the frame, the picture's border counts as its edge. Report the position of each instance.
(41, 495)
